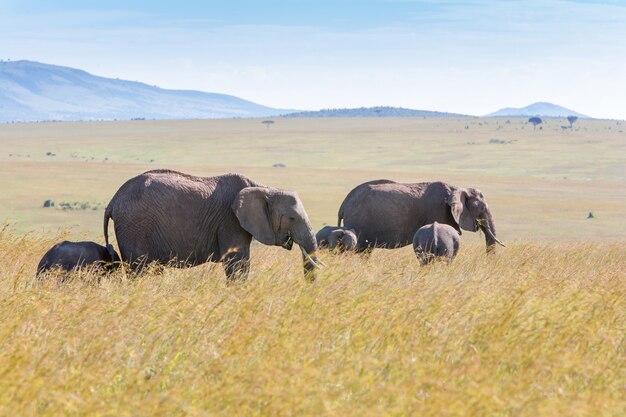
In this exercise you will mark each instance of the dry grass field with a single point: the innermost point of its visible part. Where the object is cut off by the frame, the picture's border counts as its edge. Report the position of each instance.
(537, 329)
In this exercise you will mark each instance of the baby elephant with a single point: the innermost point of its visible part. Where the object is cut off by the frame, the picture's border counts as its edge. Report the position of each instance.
(73, 255)
(434, 240)
(338, 238)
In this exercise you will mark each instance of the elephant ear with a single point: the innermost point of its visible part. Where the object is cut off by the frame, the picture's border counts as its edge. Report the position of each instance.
(457, 200)
(252, 210)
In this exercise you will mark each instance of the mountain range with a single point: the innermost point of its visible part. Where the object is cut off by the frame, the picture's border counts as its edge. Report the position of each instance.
(33, 91)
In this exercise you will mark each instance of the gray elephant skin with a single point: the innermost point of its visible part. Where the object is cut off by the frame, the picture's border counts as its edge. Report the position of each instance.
(386, 214)
(181, 220)
(436, 240)
(68, 255)
(336, 239)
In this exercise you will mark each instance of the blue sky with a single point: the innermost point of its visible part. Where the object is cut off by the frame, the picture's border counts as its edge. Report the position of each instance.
(470, 57)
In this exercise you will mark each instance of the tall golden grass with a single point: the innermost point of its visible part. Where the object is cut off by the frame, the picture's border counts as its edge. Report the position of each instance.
(536, 329)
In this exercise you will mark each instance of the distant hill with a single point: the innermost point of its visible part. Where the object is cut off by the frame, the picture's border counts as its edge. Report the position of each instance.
(373, 112)
(32, 91)
(541, 109)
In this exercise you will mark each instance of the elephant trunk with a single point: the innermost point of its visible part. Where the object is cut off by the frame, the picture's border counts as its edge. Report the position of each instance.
(305, 238)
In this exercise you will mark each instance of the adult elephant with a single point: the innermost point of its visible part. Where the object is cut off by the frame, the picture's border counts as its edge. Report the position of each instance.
(173, 218)
(386, 214)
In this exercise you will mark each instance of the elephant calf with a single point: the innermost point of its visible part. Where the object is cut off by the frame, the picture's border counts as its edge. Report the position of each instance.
(338, 238)
(435, 240)
(73, 255)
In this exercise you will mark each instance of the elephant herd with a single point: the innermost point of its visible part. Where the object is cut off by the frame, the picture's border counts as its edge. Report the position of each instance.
(176, 219)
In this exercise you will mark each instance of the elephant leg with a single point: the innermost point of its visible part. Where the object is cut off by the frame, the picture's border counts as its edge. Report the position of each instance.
(235, 254)
(236, 266)
(419, 253)
(138, 265)
(365, 252)
(426, 258)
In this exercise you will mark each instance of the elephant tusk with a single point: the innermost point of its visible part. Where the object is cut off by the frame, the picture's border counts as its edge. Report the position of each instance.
(310, 259)
(481, 222)
(495, 238)
(315, 264)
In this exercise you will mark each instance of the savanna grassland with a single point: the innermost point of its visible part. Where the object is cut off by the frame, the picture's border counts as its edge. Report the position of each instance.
(537, 329)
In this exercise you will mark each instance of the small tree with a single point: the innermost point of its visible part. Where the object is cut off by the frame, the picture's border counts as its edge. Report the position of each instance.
(535, 121)
(571, 120)
(267, 123)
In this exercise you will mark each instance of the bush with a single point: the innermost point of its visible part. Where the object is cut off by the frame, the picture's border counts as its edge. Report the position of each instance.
(73, 205)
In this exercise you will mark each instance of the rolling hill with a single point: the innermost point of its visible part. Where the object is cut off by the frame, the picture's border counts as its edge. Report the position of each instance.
(380, 111)
(541, 109)
(32, 91)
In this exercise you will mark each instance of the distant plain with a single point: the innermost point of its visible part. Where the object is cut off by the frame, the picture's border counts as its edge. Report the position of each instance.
(540, 184)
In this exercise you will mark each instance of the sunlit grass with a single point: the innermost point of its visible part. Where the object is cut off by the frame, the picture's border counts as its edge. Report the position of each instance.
(533, 330)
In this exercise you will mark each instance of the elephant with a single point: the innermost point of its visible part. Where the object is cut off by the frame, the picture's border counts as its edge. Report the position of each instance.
(68, 255)
(386, 214)
(173, 218)
(336, 238)
(342, 240)
(435, 240)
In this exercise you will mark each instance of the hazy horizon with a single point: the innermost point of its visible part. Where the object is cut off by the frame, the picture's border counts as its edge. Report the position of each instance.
(463, 57)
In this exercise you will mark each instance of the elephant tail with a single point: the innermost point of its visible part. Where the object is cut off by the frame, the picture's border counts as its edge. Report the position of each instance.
(107, 216)
(340, 216)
